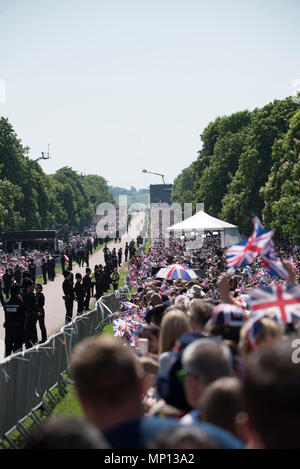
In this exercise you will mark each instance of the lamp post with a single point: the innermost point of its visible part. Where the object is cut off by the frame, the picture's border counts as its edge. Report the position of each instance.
(157, 174)
(45, 156)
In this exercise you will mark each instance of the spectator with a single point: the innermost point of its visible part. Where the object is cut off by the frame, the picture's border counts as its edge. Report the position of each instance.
(152, 334)
(271, 389)
(66, 433)
(203, 361)
(109, 383)
(174, 324)
(183, 437)
(221, 401)
(199, 314)
(257, 334)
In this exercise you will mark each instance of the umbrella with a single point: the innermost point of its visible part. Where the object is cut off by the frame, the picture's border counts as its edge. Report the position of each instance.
(176, 271)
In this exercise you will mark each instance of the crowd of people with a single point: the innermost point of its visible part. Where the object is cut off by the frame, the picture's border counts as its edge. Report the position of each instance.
(196, 367)
(22, 297)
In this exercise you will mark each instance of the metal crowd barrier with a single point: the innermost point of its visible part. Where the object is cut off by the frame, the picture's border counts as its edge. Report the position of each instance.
(27, 377)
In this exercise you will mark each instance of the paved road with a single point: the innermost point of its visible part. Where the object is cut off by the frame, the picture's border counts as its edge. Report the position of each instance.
(54, 304)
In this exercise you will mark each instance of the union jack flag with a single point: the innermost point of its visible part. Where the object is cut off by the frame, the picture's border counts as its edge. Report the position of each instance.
(128, 306)
(294, 265)
(280, 302)
(272, 261)
(120, 327)
(244, 253)
(188, 254)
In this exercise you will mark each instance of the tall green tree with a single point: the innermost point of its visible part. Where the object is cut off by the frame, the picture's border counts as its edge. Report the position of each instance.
(282, 190)
(244, 199)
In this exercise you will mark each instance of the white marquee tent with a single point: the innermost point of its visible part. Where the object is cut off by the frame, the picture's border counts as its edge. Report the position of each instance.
(201, 222)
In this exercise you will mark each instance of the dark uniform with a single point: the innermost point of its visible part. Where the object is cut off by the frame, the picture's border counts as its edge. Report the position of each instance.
(31, 318)
(44, 271)
(40, 300)
(80, 294)
(70, 256)
(120, 253)
(7, 281)
(32, 269)
(86, 256)
(69, 299)
(18, 275)
(52, 267)
(14, 313)
(49, 268)
(100, 283)
(126, 251)
(87, 283)
(62, 261)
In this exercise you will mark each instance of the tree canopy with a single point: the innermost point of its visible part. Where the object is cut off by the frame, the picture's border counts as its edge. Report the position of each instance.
(249, 165)
(31, 199)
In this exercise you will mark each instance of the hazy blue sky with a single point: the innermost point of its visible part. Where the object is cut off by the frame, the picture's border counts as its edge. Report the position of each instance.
(116, 86)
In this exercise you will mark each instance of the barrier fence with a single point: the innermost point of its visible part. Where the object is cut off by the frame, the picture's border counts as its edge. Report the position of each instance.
(27, 377)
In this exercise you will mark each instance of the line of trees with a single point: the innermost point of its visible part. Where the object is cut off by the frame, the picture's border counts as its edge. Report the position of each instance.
(249, 165)
(31, 199)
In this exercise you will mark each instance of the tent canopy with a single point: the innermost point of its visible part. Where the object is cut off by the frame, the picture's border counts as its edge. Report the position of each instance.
(201, 221)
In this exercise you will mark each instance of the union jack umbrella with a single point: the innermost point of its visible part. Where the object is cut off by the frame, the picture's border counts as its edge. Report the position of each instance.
(244, 253)
(176, 271)
(280, 302)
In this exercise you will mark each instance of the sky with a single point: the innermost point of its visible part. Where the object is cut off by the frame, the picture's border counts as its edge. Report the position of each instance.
(118, 86)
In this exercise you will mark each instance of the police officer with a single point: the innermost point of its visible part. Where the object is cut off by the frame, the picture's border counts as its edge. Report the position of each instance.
(80, 256)
(126, 251)
(44, 270)
(87, 283)
(115, 277)
(7, 281)
(14, 313)
(62, 261)
(68, 295)
(120, 253)
(32, 269)
(79, 293)
(70, 255)
(18, 274)
(40, 301)
(86, 256)
(31, 313)
(99, 278)
(52, 267)
(49, 268)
